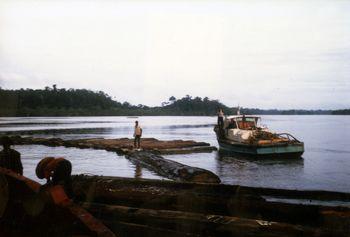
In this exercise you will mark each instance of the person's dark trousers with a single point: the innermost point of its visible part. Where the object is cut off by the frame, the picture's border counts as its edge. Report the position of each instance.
(137, 140)
(221, 122)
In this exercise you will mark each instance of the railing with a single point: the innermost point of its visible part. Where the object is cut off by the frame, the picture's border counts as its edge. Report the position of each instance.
(287, 136)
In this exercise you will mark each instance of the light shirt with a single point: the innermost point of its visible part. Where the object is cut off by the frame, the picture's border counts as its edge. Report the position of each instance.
(138, 131)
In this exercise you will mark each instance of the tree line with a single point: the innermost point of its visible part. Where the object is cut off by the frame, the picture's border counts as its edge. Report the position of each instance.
(52, 101)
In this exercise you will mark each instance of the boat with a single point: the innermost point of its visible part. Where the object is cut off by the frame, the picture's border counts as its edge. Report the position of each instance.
(242, 134)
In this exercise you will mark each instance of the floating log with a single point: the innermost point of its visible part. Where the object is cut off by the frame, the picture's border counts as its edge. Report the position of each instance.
(172, 169)
(190, 150)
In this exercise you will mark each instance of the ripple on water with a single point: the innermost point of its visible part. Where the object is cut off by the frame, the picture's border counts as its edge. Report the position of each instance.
(88, 161)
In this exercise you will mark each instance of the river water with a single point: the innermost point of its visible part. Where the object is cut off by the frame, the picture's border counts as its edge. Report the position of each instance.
(325, 164)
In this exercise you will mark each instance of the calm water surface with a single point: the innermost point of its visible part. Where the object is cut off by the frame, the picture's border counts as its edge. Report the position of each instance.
(325, 164)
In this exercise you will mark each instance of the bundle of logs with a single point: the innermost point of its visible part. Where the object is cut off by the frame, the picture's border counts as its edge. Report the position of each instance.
(121, 145)
(132, 207)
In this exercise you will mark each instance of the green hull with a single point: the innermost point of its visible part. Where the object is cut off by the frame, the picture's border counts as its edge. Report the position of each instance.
(293, 150)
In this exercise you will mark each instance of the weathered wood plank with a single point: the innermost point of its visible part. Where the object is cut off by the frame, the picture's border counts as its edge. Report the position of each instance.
(211, 189)
(204, 224)
(127, 229)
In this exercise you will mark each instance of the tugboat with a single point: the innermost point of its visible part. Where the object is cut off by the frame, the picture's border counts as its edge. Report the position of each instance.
(242, 134)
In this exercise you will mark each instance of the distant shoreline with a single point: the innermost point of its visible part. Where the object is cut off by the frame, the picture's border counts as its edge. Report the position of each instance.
(54, 102)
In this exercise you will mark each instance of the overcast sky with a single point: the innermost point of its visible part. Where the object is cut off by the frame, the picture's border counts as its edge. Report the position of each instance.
(266, 54)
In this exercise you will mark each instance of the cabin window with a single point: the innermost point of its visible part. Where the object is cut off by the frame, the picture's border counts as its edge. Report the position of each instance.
(246, 123)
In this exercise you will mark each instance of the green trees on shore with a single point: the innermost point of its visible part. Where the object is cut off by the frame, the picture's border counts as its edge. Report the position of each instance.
(82, 102)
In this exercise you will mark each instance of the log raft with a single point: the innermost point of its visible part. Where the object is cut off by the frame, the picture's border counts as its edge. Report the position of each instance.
(150, 156)
(122, 145)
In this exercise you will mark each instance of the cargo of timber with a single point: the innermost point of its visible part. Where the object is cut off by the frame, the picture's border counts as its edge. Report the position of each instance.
(242, 134)
(115, 206)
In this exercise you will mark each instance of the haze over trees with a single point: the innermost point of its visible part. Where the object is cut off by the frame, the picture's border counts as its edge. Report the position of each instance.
(52, 101)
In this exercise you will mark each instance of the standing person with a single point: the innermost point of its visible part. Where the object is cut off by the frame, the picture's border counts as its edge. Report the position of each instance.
(137, 135)
(221, 118)
(10, 158)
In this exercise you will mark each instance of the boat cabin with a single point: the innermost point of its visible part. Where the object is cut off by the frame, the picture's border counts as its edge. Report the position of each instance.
(243, 122)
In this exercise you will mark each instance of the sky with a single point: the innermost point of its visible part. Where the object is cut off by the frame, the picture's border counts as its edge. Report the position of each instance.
(259, 54)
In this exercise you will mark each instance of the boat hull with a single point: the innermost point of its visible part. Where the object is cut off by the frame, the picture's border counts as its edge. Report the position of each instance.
(285, 150)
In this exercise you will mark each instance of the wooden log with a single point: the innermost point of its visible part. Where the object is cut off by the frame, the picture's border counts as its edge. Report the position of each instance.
(173, 151)
(201, 198)
(171, 169)
(204, 224)
(211, 189)
(127, 229)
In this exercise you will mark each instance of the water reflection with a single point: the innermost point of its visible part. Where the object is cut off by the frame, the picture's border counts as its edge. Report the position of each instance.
(250, 171)
(229, 157)
(84, 161)
(138, 171)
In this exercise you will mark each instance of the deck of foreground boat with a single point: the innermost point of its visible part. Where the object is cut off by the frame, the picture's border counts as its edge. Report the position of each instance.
(134, 207)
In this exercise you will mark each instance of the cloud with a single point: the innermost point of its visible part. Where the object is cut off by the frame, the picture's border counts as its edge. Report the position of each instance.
(258, 54)
(12, 77)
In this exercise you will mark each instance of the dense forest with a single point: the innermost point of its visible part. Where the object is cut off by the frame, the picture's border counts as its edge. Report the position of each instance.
(52, 101)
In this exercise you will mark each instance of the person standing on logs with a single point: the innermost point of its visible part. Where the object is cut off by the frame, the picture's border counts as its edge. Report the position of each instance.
(57, 171)
(137, 135)
(10, 158)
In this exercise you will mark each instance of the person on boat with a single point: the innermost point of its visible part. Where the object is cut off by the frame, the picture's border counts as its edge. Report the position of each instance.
(137, 135)
(57, 171)
(232, 124)
(10, 158)
(221, 118)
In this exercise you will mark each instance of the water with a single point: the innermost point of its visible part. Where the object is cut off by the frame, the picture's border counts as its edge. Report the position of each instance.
(325, 164)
